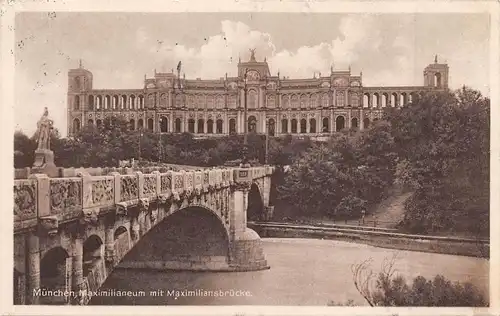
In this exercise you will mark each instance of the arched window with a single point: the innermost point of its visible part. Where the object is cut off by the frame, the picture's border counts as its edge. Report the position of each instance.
(437, 80)
(98, 123)
(366, 122)
(232, 126)
(141, 101)
(271, 101)
(402, 99)
(210, 126)
(163, 125)
(200, 101)
(303, 126)
(107, 102)
(115, 102)
(394, 100)
(191, 126)
(284, 126)
(123, 102)
(178, 101)
(77, 83)
(150, 124)
(210, 102)
(303, 101)
(140, 124)
(313, 101)
(312, 125)
(366, 100)
(285, 99)
(271, 127)
(76, 106)
(339, 123)
(340, 99)
(294, 101)
(375, 100)
(90, 122)
(191, 101)
(132, 124)
(252, 124)
(294, 126)
(201, 126)
(99, 102)
(384, 99)
(411, 97)
(325, 128)
(324, 100)
(219, 127)
(232, 101)
(354, 99)
(131, 104)
(252, 99)
(220, 102)
(76, 125)
(177, 125)
(354, 122)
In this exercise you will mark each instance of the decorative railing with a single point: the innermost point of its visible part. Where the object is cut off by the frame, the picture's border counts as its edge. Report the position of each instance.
(62, 199)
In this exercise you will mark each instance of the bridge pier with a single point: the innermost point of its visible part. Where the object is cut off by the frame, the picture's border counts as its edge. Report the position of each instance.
(33, 268)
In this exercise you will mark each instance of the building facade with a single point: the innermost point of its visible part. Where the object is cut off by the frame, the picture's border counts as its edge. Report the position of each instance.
(316, 106)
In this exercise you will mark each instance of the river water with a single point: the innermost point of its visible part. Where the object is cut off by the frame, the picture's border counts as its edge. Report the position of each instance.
(303, 272)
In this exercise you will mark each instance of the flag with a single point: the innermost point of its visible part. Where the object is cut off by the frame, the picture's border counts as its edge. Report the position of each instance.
(179, 66)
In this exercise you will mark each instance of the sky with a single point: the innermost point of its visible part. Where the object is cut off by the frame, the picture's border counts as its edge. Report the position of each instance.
(120, 48)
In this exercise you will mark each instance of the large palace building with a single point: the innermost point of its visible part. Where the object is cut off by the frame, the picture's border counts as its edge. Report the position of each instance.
(316, 106)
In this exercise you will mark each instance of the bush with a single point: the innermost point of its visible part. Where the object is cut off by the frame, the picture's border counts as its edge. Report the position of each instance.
(393, 290)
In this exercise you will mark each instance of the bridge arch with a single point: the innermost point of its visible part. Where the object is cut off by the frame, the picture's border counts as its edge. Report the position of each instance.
(191, 236)
(255, 208)
(55, 271)
(93, 250)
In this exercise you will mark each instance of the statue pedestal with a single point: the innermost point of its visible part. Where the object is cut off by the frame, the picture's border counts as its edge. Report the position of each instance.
(44, 163)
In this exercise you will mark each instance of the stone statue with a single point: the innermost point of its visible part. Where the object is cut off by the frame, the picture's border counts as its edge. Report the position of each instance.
(44, 157)
(44, 127)
(252, 54)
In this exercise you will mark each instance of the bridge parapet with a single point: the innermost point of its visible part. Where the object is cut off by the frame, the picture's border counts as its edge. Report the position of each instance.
(51, 201)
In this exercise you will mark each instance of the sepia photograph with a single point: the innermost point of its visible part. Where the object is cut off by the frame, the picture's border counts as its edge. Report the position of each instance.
(251, 158)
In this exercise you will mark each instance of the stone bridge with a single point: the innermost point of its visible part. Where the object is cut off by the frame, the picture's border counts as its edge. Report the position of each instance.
(70, 233)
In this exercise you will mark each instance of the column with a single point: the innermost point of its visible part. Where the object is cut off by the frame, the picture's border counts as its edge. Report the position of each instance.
(307, 125)
(225, 126)
(332, 124)
(171, 127)
(109, 251)
(205, 125)
(361, 119)
(78, 283)
(195, 124)
(33, 268)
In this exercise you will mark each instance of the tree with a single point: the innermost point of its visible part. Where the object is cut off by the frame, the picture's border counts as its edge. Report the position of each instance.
(24, 150)
(443, 142)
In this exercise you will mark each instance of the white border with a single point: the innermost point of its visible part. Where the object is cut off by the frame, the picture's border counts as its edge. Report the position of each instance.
(7, 13)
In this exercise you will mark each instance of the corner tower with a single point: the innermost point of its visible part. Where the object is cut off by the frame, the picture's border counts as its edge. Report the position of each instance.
(79, 85)
(436, 75)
